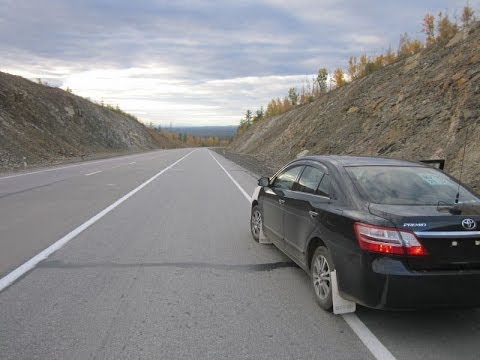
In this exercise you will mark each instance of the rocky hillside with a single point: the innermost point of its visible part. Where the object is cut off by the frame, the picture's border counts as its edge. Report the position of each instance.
(422, 107)
(43, 125)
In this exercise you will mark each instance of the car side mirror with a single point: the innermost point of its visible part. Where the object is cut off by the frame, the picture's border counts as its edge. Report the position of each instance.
(264, 182)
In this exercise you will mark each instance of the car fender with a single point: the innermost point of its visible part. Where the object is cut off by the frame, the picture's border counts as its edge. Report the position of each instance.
(256, 193)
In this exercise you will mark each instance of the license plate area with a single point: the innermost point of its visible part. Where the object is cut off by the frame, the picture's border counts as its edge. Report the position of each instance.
(449, 254)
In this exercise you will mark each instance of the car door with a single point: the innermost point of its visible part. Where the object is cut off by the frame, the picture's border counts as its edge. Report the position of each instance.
(301, 216)
(273, 200)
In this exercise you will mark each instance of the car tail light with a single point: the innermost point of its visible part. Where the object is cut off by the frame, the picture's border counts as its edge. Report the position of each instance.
(388, 240)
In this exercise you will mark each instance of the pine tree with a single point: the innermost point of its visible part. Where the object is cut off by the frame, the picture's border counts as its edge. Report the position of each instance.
(248, 117)
(293, 96)
(322, 80)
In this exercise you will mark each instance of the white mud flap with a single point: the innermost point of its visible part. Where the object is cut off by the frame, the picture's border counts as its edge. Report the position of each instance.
(262, 239)
(340, 305)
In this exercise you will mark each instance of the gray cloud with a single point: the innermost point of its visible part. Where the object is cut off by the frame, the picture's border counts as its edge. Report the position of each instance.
(170, 54)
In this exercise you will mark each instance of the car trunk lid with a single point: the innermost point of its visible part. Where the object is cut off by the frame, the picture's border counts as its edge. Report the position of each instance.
(450, 235)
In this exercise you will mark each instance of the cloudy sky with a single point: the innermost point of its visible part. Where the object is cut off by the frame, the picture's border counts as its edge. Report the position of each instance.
(191, 62)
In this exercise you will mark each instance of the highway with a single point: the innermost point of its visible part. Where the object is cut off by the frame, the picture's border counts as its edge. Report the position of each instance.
(149, 256)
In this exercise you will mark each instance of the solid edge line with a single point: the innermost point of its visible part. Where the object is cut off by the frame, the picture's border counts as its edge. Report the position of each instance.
(368, 338)
(231, 178)
(30, 264)
(378, 350)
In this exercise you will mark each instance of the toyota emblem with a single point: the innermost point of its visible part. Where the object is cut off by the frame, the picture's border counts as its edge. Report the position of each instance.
(469, 224)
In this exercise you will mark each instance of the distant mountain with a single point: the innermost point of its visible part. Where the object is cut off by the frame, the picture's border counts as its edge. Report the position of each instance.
(222, 132)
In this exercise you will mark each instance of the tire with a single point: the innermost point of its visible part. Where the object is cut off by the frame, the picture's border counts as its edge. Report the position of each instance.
(320, 268)
(256, 222)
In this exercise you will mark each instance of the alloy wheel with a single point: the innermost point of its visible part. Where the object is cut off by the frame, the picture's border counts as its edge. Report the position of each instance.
(256, 223)
(321, 277)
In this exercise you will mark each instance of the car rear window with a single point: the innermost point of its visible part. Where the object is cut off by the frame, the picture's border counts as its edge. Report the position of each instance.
(403, 185)
(324, 187)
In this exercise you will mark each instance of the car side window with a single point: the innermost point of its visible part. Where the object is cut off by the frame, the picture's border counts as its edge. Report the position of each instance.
(287, 178)
(324, 189)
(309, 180)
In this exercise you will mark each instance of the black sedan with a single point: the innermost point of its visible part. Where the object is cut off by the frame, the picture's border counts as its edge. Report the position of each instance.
(399, 234)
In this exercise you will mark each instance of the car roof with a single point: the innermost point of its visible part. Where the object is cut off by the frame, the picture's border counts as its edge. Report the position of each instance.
(344, 160)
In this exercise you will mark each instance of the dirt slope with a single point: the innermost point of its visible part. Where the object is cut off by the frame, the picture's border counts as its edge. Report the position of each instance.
(43, 125)
(419, 108)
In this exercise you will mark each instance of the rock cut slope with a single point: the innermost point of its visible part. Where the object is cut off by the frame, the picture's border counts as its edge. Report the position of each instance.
(422, 107)
(41, 125)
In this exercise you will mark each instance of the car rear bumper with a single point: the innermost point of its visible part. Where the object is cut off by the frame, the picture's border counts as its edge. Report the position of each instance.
(386, 283)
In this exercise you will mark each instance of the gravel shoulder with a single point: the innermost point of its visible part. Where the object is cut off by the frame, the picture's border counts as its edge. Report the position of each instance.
(254, 166)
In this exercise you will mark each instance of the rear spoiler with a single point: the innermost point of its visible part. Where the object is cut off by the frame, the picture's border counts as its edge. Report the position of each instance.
(438, 163)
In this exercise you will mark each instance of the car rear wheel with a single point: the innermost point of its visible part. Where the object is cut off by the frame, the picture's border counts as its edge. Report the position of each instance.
(256, 222)
(321, 268)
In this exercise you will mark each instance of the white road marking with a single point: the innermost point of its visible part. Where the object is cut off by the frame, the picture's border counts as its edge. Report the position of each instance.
(231, 178)
(46, 170)
(133, 162)
(66, 167)
(30, 264)
(368, 338)
(93, 173)
(378, 350)
(117, 166)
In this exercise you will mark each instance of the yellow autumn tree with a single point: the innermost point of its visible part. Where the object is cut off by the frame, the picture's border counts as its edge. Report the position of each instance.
(390, 57)
(446, 28)
(339, 77)
(353, 68)
(468, 15)
(408, 47)
(428, 28)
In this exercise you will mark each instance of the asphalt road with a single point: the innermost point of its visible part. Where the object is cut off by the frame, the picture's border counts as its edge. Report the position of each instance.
(169, 271)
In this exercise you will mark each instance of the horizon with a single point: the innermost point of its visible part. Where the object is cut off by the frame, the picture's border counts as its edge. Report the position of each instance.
(193, 126)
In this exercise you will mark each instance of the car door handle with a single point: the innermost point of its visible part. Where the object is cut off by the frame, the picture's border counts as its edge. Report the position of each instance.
(281, 201)
(313, 214)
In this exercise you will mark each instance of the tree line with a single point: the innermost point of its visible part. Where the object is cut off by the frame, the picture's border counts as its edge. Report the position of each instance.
(190, 140)
(437, 30)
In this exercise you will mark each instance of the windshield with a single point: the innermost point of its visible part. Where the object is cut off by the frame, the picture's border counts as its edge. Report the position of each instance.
(402, 185)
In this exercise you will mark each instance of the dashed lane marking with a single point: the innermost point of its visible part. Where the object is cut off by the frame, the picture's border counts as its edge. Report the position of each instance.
(30, 264)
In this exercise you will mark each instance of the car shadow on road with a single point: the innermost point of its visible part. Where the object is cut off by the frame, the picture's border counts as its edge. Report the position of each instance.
(57, 264)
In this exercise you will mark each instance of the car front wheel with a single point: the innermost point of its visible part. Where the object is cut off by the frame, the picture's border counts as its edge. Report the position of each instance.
(321, 268)
(256, 222)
